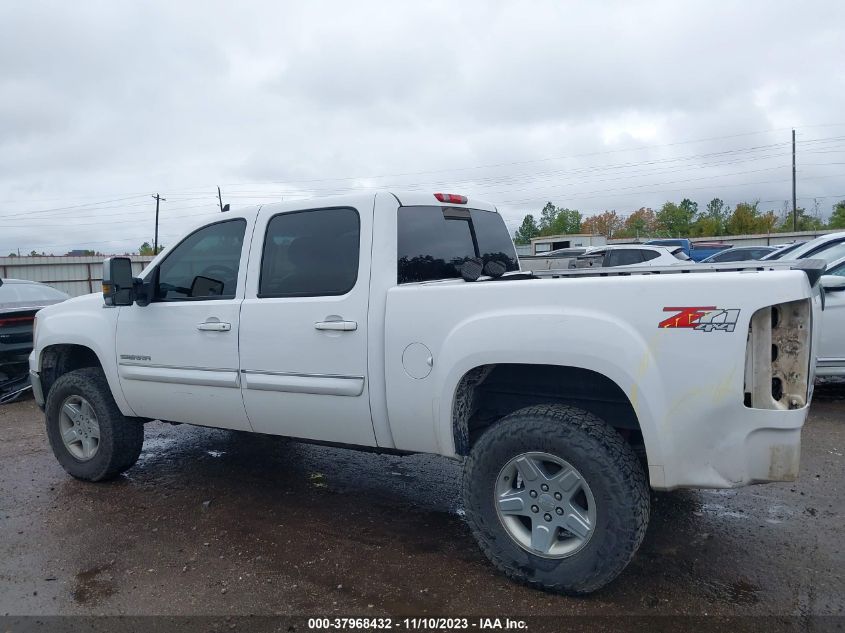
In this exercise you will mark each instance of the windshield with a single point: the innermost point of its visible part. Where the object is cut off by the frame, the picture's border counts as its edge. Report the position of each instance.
(434, 242)
(784, 251)
(829, 253)
(680, 254)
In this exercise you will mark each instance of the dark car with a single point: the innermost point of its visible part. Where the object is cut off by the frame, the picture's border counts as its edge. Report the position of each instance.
(19, 301)
(740, 254)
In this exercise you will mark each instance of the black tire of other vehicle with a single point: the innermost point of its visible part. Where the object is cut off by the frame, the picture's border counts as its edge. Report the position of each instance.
(121, 438)
(608, 465)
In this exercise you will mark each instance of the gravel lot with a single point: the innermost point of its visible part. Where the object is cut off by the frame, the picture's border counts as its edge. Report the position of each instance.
(213, 522)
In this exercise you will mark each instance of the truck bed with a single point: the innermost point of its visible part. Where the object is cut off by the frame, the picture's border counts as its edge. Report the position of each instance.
(813, 268)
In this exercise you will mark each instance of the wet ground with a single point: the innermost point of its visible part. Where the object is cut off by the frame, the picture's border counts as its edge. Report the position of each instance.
(213, 522)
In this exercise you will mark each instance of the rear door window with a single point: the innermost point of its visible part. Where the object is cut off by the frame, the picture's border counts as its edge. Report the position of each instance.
(311, 253)
(625, 257)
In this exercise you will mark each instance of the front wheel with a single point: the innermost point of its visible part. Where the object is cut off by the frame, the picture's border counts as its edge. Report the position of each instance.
(90, 437)
(556, 498)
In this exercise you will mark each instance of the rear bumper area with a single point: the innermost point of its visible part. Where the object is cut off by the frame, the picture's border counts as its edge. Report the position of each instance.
(739, 449)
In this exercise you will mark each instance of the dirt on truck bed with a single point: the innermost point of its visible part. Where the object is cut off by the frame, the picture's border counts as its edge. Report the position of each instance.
(222, 523)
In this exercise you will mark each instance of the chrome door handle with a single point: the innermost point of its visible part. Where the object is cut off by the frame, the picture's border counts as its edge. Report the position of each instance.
(338, 326)
(214, 326)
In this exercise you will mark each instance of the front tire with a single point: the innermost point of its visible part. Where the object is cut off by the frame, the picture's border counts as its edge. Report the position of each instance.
(90, 437)
(556, 498)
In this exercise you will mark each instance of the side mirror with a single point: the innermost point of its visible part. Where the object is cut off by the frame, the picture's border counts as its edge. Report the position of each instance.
(832, 283)
(118, 283)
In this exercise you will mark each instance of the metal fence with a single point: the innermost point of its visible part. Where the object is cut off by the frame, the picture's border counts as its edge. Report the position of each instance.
(73, 275)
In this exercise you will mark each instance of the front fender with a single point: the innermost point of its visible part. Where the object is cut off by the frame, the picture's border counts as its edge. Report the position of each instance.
(86, 322)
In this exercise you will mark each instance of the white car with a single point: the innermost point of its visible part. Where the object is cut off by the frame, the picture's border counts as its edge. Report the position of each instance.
(831, 350)
(828, 247)
(401, 322)
(630, 255)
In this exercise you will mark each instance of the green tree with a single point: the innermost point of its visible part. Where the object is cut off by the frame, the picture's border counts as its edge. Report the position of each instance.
(675, 220)
(548, 214)
(837, 218)
(712, 220)
(567, 221)
(557, 221)
(147, 249)
(526, 230)
(744, 219)
(641, 223)
(803, 221)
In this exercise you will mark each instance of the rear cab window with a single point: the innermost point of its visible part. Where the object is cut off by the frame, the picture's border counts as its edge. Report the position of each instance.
(434, 242)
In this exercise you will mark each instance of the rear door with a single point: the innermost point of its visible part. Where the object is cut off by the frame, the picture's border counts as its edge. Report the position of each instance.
(178, 356)
(304, 323)
(831, 339)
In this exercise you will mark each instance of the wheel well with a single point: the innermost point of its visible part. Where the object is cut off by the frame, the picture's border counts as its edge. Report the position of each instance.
(490, 392)
(57, 360)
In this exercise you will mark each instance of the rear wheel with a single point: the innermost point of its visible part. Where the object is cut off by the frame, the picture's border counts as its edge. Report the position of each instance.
(556, 498)
(90, 437)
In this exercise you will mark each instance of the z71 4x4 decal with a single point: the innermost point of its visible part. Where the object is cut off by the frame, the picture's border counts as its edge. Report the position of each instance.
(702, 318)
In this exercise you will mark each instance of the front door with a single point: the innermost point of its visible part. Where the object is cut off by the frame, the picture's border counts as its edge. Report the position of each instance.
(178, 356)
(304, 324)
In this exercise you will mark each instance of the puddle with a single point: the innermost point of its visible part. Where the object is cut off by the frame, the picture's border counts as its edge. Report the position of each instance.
(739, 592)
(92, 585)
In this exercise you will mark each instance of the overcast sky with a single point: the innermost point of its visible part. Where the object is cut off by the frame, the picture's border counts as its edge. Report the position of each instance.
(593, 106)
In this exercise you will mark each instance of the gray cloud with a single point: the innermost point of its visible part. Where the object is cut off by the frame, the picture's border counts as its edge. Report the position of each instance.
(110, 100)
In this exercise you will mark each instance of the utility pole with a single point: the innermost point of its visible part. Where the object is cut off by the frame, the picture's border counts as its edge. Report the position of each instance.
(158, 199)
(794, 206)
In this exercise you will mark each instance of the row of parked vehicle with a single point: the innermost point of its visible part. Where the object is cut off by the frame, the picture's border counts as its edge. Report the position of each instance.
(675, 251)
(668, 252)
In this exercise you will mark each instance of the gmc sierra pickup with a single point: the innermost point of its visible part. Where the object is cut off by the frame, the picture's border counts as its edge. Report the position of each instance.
(403, 323)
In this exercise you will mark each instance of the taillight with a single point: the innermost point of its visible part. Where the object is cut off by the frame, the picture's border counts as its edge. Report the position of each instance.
(14, 321)
(451, 198)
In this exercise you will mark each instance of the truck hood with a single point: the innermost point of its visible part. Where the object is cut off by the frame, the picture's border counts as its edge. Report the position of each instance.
(94, 300)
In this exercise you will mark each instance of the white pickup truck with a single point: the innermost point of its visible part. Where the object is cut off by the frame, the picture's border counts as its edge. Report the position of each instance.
(402, 322)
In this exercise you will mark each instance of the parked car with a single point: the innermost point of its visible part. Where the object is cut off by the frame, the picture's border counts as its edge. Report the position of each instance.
(420, 334)
(19, 301)
(561, 258)
(739, 254)
(830, 359)
(828, 247)
(782, 250)
(630, 255)
(696, 251)
(565, 252)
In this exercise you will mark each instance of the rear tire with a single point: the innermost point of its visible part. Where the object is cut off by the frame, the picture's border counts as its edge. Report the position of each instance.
(90, 437)
(585, 476)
